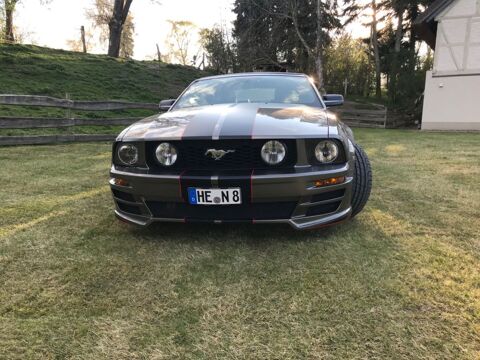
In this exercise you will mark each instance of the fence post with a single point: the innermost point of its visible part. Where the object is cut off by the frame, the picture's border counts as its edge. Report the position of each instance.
(68, 112)
(385, 118)
(82, 35)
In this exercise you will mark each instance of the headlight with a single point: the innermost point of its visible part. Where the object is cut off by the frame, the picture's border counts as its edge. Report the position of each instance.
(128, 154)
(166, 154)
(273, 152)
(326, 151)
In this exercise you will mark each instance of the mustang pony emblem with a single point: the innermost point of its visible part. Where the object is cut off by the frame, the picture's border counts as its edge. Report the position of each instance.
(218, 154)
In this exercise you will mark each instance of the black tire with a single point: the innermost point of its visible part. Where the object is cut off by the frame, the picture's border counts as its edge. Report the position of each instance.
(362, 181)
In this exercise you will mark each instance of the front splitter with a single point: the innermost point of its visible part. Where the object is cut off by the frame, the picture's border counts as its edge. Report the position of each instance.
(299, 223)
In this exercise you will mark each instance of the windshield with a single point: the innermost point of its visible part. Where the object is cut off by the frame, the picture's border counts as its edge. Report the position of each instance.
(250, 89)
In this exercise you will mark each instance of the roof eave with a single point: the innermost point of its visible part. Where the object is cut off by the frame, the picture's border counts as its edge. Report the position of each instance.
(425, 23)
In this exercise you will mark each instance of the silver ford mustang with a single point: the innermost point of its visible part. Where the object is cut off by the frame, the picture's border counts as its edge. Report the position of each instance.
(257, 147)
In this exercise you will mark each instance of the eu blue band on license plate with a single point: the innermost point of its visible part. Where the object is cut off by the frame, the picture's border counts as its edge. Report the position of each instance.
(230, 196)
(192, 196)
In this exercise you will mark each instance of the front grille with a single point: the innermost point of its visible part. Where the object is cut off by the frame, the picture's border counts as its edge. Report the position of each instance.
(246, 155)
(243, 212)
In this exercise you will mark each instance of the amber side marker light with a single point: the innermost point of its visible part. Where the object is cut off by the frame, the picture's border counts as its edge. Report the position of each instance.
(120, 182)
(331, 181)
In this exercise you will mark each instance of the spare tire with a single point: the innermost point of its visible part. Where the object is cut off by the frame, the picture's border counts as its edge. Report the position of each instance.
(362, 181)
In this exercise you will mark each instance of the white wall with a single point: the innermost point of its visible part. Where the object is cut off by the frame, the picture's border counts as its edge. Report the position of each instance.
(458, 39)
(452, 89)
(451, 103)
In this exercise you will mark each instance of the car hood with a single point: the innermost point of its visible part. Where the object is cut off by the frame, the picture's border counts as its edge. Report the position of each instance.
(233, 121)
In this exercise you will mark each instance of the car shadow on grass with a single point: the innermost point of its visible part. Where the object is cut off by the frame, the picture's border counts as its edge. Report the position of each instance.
(245, 233)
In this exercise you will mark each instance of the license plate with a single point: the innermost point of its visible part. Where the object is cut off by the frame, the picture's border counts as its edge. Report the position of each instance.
(232, 196)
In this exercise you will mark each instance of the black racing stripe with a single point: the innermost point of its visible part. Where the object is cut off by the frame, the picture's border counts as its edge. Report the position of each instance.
(202, 125)
(238, 124)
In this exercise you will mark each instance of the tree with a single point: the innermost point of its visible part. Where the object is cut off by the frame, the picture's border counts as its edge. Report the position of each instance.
(315, 52)
(180, 41)
(219, 50)
(114, 28)
(287, 33)
(115, 24)
(2, 23)
(374, 45)
(401, 49)
(297, 35)
(77, 44)
(257, 33)
(396, 9)
(355, 9)
(127, 40)
(8, 7)
(347, 60)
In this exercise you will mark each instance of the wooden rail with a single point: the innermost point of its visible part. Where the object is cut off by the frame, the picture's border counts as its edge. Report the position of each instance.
(362, 118)
(52, 139)
(47, 101)
(38, 123)
(50, 122)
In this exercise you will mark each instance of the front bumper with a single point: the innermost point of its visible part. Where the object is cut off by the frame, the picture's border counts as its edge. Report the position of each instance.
(290, 198)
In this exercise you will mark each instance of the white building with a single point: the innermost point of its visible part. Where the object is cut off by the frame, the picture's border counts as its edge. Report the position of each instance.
(452, 89)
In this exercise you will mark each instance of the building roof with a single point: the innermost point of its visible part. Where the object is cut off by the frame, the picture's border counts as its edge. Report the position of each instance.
(425, 23)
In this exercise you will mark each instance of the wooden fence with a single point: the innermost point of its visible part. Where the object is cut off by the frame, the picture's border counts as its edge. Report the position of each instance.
(349, 114)
(354, 117)
(50, 122)
(47, 101)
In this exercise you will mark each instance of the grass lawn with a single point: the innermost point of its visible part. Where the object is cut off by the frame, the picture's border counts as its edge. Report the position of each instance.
(401, 281)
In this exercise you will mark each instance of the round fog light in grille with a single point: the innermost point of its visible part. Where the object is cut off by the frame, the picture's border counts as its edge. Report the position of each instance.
(273, 152)
(326, 151)
(166, 154)
(128, 154)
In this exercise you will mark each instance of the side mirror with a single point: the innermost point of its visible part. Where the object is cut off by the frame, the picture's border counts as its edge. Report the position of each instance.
(333, 100)
(165, 105)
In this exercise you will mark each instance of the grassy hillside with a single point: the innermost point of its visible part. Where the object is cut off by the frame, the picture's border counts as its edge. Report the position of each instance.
(33, 70)
(42, 71)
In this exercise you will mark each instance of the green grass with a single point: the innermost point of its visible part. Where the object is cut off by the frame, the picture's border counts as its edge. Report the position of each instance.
(33, 70)
(401, 281)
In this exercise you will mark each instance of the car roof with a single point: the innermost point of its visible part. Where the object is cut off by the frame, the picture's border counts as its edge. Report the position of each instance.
(249, 74)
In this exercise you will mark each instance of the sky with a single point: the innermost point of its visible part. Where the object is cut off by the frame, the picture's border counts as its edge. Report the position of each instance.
(54, 24)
